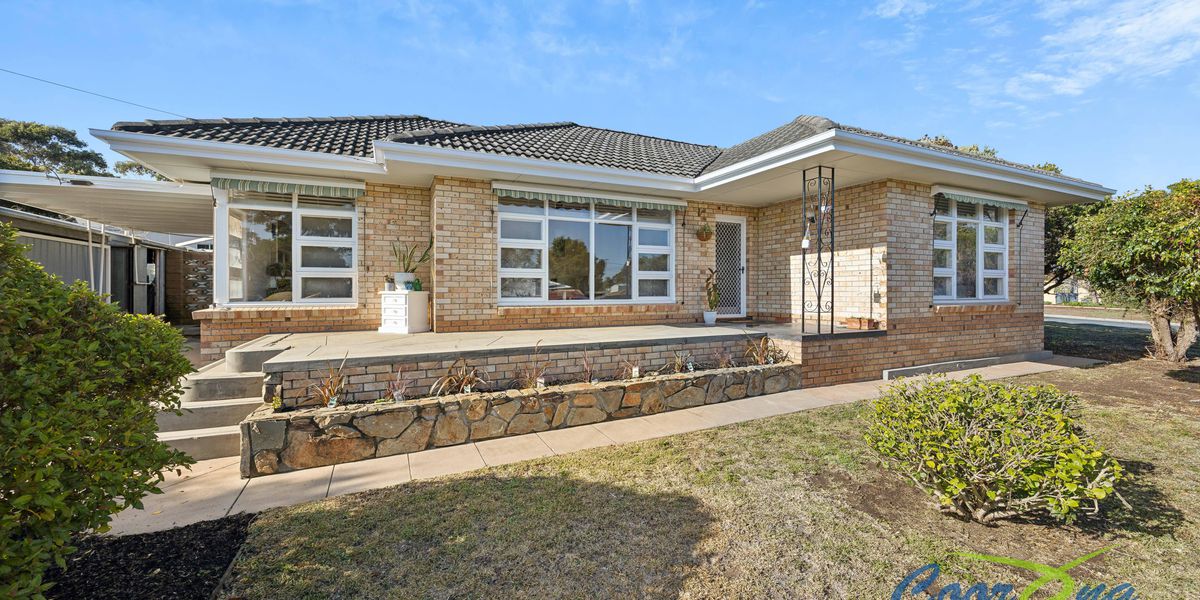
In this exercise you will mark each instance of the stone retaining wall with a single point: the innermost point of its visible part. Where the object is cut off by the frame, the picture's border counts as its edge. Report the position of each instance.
(279, 442)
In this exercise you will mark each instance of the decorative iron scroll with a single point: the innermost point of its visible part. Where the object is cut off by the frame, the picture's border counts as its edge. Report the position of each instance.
(817, 249)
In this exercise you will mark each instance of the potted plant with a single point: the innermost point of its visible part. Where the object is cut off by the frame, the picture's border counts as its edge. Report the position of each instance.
(861, 323)
(711, 297)
(407, 262)
(705, 232)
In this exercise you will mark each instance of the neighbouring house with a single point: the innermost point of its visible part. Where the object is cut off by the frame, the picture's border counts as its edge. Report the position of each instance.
(560, 225)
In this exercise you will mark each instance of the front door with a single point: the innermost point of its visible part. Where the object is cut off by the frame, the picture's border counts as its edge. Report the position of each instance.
(731, 266)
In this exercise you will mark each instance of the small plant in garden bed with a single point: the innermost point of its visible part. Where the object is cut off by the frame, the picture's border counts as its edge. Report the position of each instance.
(764, 351)
(681, 362)
(723, 359)
(989, 451)
(400, 385)
(533, 374)
(631, 368)
(328, 391)
(460, 378)
(587, 368)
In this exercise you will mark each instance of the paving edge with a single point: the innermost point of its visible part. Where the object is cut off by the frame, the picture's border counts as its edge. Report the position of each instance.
(960, 365)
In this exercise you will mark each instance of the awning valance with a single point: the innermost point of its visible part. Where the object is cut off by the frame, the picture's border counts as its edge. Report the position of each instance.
(583, 197)
(978, 198)
(277, 187)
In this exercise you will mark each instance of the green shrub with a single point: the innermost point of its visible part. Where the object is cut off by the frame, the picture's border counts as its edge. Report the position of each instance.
(989, 451)
(80, 383)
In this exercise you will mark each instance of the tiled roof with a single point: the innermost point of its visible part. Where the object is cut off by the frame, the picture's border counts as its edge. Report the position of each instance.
(334, 135)
(564, 142)
(574, 143)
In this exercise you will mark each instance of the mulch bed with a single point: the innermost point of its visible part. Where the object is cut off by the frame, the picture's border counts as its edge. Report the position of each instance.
(181, 563)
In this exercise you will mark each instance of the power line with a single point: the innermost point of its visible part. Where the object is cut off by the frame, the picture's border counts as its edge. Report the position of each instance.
(63, 85)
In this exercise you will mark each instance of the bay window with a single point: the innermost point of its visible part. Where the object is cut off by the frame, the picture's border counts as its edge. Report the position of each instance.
(283, 247)
(970, 251)
(568, 252)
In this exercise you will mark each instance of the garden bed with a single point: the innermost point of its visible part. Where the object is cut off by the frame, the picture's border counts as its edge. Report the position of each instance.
(182, 563)
(275, 442)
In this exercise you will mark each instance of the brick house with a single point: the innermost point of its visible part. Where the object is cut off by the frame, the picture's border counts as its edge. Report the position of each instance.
(559, 225)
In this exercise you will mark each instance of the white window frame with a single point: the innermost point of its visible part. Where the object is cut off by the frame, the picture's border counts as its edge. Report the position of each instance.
(952, 220)
(222, 251)
(543, 273)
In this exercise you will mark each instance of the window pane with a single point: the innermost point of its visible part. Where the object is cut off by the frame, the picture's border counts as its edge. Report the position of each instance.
(334, 227)
(315, 202)
(653, 215)
(991, 286)
(654, 237)
(967, 209)
(941, 258)
(652, 288)
(941, 206)
(520, 230)
(992, 213)
(322, 257)
(570, 260)
(967, 260)
(941, 230)
(326, 287)
(613, 268)
(520, 287)
(993, 261)
(992, 235)
(941, 286)
(520, 258)
(606, 212)
(522, 206)
(579, 210)
(260, 255)
(654, 262)
(282, 200)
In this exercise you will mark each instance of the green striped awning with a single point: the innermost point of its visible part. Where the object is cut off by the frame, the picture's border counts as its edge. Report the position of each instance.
(981, 200)
(582, 198)
(306, 189)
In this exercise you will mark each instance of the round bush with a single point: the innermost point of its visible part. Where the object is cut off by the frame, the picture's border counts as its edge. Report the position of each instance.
(80, 383)
(989, 451)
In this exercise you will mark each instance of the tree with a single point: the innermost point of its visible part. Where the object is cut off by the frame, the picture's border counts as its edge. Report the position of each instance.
(127, 168)
(80, 384)
(944, 142)
(1060, 227)
(1146, 247)
(30, 146)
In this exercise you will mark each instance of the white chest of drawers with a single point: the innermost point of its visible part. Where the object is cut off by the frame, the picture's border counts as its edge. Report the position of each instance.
(404, 312)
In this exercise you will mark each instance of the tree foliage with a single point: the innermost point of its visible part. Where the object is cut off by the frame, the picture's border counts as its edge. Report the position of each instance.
(1146, 247)
(127, 168)
(80, 385)
(29, 146)
(1060, 227)
(988, 451)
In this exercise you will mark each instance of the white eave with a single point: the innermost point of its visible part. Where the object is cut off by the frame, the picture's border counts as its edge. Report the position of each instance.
(771, 177)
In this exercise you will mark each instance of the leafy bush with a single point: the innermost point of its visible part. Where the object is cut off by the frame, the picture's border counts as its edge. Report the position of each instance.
(989, 451)
(80, 383)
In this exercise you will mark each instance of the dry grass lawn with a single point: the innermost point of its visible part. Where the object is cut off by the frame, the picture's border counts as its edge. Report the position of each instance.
(786, 507)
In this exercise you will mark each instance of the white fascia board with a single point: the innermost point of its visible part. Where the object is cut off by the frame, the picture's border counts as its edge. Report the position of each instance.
(593, 193)
(38, 179)
(780, 157)
(519, 165)
(126, 142)
(865, 145)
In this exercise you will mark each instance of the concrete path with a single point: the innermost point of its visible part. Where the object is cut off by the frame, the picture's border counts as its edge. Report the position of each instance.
(1123, 323)
(213, 488)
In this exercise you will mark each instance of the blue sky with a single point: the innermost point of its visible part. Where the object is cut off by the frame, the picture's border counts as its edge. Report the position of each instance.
(1108, 90)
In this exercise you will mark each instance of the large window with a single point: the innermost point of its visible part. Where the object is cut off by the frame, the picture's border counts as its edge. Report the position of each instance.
(572, 252)
(970, 251)
(290, 248)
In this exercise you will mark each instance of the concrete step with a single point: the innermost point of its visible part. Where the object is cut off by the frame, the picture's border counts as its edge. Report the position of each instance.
(201, 444)
(211, 413)
(217, 383)
(249, 357)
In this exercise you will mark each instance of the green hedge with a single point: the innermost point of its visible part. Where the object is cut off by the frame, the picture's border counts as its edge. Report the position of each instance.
(988, 451)
(80, 383)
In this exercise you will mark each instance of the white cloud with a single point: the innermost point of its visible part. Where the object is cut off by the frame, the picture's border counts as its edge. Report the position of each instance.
(1125, 41)
(891, 9)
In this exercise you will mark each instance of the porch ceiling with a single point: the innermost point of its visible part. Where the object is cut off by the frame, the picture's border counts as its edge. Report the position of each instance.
(133, 204)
